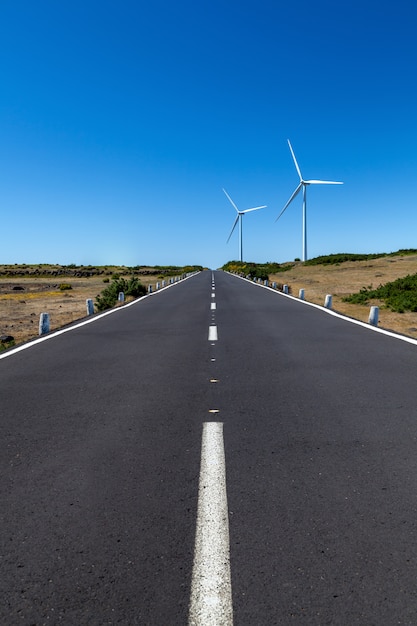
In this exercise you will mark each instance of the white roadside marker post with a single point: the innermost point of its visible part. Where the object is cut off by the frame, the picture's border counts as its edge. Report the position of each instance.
(373, 316)
(284, 288)
(90, 306)
(301, 294)
(121, 297)
(44, 323)
(328, 301)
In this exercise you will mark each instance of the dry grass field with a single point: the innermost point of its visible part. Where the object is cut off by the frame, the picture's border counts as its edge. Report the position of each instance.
(349, 277)
(23, 297)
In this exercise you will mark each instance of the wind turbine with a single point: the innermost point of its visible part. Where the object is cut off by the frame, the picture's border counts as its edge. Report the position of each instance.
(239, 217)
(303, 184)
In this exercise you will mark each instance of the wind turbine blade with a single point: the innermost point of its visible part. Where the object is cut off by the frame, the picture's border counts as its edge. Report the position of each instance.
(234, 226)
(230, 199)
(254, 209)
(322, 182)
(295, 160)
(290, 200)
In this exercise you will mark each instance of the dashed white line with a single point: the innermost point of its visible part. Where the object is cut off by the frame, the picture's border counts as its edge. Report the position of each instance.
(212, 335)
(213, 306)
(211, 590)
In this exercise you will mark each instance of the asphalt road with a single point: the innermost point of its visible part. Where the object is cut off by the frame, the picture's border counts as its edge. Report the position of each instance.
(101, 450)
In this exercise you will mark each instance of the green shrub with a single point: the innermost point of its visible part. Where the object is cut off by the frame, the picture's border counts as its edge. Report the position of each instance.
(109, 296)
(65, 286)
(336, 259)
(4, 345)
(254, 270)
(399, 295)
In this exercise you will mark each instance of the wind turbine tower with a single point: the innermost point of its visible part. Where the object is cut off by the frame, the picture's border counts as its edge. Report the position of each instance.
(303, 184)
(239, 218)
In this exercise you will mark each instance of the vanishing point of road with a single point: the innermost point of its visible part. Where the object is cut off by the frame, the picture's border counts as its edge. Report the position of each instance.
(214, 453)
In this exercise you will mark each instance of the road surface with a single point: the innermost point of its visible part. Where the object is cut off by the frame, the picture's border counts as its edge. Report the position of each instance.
(216, 453)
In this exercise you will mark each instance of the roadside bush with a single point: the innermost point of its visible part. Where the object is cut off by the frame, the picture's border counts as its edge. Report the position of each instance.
(398, 296)
(336, 259)
(65, 286)
(254, 270)
(109, 296)
(6, 341)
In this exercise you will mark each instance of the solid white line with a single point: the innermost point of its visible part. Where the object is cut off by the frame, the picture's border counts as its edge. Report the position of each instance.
(351, 320)
(211, 589)
(213, 306)
(89, 320)
(212, 335)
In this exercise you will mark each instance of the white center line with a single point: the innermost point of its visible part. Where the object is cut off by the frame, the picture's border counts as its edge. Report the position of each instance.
(213, 295)
(213, 306)
(212, 336)
(211, 590)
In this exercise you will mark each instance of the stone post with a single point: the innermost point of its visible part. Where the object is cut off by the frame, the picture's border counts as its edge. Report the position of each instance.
(90, 306)
(44, 323)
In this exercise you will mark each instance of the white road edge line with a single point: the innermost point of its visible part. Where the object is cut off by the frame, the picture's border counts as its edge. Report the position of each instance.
(212, 334)
(89, 320)
(211, 587)
(375, 329)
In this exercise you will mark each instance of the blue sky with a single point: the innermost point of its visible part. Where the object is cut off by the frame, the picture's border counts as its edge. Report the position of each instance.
(120, 122)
